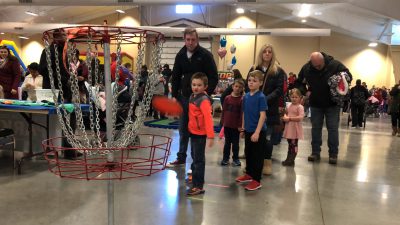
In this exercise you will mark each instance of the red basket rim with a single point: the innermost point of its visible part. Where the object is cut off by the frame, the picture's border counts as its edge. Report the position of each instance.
(47, 143)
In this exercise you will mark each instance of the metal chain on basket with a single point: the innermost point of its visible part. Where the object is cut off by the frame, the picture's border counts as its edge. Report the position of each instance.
(149, 91)
(73, 78)
(131, 129)
(62, 113)
(93, 97)
(97, 80)
(128, 133)
(114, 89)
(136, 115)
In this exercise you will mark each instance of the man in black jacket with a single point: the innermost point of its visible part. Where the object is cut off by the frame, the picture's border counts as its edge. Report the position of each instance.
(315, 74)
(358, 97)
(190, 59)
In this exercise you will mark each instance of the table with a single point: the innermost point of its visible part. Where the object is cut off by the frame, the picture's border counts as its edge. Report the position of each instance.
(26, 111)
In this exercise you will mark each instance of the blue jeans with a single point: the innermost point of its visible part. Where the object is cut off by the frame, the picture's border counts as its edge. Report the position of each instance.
(183, 129)
(198, 146)
(331, 115)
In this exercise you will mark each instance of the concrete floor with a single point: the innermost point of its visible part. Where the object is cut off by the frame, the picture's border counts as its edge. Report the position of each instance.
(363, 189)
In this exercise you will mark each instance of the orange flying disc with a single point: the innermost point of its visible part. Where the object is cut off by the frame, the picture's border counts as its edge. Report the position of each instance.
(167, 106)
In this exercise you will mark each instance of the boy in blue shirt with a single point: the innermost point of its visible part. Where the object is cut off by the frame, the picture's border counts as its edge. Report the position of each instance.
(253, 130)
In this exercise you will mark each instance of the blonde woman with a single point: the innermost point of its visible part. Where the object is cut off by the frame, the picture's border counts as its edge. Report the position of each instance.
(272, 88)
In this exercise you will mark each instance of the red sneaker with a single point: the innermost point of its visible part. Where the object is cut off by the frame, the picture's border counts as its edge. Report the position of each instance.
(244, 178)
(253, 185)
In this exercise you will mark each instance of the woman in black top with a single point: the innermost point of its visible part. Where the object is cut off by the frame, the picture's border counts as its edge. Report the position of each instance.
(272, 88)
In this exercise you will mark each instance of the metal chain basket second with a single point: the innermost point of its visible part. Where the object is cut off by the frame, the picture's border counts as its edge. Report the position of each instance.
(102, 127)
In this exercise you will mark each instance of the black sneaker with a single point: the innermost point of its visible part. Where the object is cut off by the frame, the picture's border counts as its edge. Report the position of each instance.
(333, 160)
(314, 157)
(175, 163)
(224, 162)
(195, 191)
(237, 162)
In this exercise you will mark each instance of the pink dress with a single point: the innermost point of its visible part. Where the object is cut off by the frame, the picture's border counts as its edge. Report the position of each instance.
(294, 130)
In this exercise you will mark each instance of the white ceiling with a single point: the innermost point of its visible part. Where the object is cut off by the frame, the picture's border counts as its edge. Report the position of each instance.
(365, 19)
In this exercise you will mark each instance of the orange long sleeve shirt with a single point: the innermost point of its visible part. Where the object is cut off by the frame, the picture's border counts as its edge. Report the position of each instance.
(200, 117)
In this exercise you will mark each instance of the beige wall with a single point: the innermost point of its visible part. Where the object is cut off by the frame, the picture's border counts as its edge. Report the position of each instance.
(244, 43)
(32, 49)
(395, 56)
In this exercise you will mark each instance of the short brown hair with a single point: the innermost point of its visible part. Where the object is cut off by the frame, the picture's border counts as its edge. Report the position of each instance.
(190, 30)
(200, 76)
(239, 81)
(257, 74)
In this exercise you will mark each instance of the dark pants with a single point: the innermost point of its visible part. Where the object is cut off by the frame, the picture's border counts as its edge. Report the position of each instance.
(357, 115)
(198, 146)
(331, 116)
(183, 129)
(254, 152)
(268, 143)
(395, 119)
(231, 139)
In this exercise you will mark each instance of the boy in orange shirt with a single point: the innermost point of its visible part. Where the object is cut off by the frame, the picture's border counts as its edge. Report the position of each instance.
(201, 129)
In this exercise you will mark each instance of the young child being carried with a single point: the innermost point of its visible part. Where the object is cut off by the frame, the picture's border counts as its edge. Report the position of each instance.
(231, 120)
(293, 128)
(254, 128)
(201, 129)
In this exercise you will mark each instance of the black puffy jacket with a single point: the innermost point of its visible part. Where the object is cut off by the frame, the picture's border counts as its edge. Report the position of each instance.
(201, 61)
(317, 80)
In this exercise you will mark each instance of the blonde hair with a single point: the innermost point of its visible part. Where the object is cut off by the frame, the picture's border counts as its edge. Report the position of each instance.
(1, 92)
(295, 91)
(257, 74)
(274, 64)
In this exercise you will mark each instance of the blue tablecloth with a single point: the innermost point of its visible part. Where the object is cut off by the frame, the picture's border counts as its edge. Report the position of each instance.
(39, 107)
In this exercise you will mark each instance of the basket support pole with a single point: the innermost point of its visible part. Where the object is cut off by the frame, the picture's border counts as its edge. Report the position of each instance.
(110, 156)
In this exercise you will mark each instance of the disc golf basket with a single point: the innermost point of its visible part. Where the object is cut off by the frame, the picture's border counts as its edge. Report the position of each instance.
(120, 152)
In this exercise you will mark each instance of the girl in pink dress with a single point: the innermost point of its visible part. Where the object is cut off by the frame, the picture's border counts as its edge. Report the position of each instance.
(293, 128)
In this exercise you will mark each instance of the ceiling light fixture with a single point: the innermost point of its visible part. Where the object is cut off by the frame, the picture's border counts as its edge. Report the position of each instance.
(240, 10)
(373, 44)
(318, 13)
(120, 10)
(184, 9)
(304, 10)
(31, 13)
(304, 21)
(23, 37)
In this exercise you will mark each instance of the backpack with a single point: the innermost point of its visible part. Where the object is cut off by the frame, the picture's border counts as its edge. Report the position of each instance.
(358, 97)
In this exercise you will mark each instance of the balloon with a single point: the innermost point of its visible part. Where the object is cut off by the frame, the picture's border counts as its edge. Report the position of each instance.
(234, 60)
(221, 52)
(222, 42)
(233, 49)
